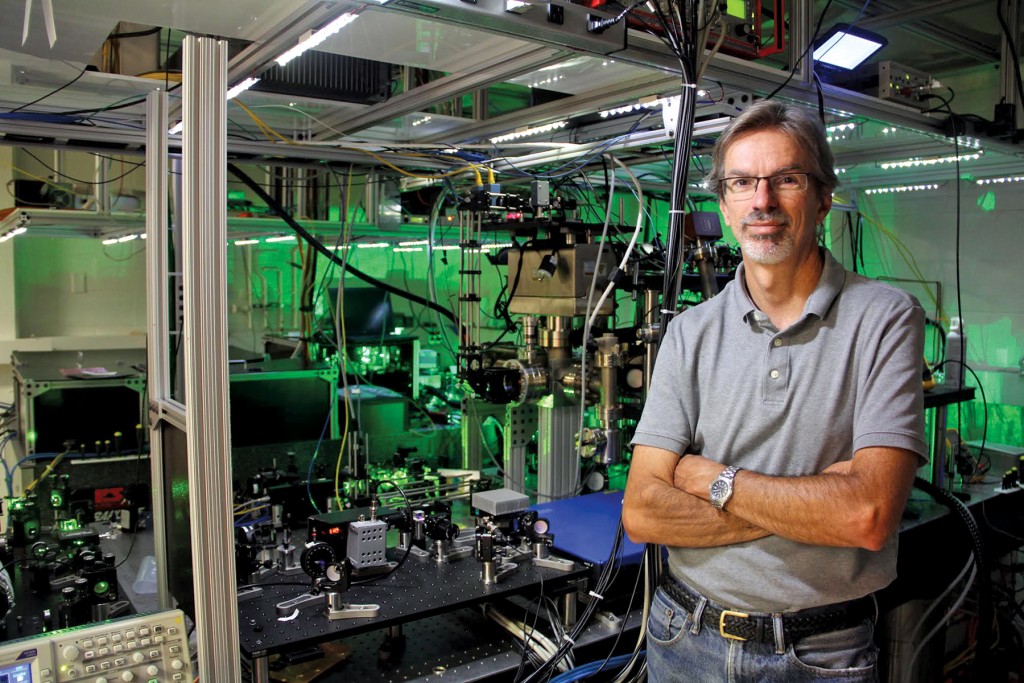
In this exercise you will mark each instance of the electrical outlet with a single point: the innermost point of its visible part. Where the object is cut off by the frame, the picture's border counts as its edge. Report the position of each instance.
(77, 283)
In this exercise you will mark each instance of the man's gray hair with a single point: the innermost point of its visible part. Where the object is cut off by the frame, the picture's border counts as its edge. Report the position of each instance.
(797, 121)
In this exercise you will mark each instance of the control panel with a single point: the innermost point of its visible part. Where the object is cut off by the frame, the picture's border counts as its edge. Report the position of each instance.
(147, 648)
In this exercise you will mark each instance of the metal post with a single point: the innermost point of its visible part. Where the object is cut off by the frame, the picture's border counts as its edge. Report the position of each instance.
(1009, 69)
(801, 30)
(204, 150)
(158, 348)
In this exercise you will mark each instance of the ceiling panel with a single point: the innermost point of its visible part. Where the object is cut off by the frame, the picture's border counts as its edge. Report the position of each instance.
(404, 39)
(79, 34)
(581, 74)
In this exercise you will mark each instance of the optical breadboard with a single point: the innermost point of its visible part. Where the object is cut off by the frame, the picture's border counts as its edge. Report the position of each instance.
(150, 648)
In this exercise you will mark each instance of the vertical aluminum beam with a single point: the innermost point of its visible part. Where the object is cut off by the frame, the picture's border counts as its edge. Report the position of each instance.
(801, 31)
(204, 239)
(159, 343)
(1008, 67)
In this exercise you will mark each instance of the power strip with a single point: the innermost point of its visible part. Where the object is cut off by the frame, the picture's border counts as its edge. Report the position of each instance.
(148, 648)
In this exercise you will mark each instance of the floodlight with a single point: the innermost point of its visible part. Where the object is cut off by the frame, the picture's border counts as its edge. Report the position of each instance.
(846, 47)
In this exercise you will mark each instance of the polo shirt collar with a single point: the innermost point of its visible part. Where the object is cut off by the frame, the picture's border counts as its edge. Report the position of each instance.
(833, 276)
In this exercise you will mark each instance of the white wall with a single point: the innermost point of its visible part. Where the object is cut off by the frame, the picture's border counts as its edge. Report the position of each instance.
(991, 280)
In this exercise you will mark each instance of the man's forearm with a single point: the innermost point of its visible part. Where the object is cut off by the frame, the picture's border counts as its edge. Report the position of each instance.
(659, 513)
(846, 506)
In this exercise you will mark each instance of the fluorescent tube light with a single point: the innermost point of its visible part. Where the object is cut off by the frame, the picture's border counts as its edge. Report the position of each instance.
(896, 189)
(281, 238)
(242, 243)
(526, 132)
(931, 161)
(240, 88)
(1001, 180)
(313, 39)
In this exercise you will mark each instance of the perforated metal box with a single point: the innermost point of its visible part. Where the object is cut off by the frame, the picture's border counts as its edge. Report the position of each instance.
(367, 542)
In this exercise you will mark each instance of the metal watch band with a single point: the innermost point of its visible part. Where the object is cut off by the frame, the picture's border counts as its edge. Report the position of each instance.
(721, 488)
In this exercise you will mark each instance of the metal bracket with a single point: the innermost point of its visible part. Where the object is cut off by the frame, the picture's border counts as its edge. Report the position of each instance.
(552, 562)
(288, 607)
(336, 609)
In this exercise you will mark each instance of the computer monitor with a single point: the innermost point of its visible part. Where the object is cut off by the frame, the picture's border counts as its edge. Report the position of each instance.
(367, 312)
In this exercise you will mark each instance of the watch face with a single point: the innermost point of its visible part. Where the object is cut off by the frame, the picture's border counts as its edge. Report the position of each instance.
(719, 489)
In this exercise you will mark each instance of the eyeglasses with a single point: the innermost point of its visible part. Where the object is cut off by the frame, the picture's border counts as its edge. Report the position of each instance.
(744, 187)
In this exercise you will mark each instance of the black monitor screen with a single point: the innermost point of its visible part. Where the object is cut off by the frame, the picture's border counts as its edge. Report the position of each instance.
(367, 312)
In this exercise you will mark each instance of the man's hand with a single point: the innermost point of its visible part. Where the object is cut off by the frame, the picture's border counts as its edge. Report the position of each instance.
(656, 511)
(694, 474)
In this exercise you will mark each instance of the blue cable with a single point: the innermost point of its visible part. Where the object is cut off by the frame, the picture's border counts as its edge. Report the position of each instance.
(251, 522)
(581, 672)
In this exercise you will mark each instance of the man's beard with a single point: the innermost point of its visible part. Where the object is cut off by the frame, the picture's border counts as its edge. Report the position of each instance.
(770, 249)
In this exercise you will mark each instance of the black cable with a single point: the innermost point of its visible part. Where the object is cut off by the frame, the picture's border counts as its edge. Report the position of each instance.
(985, 609)
(267, 585)
(821, 97)
(135, 531)
(134, 34)
(803, 54)
(113, 107)
(276, 208)
(51, 93)
(42, 163)
(984, 399)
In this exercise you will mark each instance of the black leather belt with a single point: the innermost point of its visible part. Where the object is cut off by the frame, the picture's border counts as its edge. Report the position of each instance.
(760, 628)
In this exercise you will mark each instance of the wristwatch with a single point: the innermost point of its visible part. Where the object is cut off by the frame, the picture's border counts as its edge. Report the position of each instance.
(721, 488)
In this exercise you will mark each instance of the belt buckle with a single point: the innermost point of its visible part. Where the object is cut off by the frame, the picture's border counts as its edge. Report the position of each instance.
(721, 623)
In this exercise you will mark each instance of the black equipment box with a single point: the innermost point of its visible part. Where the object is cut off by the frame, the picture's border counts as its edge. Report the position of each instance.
(79, 396)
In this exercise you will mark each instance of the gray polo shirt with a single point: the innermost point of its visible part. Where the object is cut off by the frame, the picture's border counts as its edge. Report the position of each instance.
(730, 386)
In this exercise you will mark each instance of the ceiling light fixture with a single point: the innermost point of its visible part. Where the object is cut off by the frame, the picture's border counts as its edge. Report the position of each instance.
(241, 87)
(281, 238)
(176, 128)
(913, 163)
(242, 243)
(414, 243)
(314, 38)
(526, 132)
(640, 105)
(895, 189)
(846, 47)
(403, 249)
(374, 245)
(1001, 180)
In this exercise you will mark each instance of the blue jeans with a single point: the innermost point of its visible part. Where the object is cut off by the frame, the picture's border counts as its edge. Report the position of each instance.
(676, 654)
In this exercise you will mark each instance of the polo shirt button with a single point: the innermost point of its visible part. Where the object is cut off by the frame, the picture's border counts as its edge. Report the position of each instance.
(774, 374)
(777, 342)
